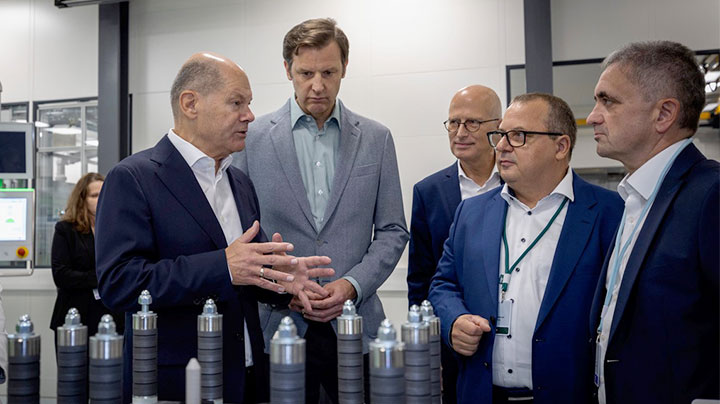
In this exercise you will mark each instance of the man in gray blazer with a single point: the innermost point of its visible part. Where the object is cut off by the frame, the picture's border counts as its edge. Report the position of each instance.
(327, 180)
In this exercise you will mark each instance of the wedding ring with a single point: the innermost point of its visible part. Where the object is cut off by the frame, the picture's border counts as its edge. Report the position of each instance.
(262, 272)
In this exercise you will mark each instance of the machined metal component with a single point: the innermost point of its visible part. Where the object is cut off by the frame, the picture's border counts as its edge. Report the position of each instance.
(350, 356)
(210, 353)
(416, 336)
(192, 382)
(287, 365)
(106, 363)
(72, 359)
(145, 348)
(24, 363)
(387, 367)
(433, 321)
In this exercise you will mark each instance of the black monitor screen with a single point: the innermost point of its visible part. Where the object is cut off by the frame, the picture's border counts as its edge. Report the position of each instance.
(12, 152)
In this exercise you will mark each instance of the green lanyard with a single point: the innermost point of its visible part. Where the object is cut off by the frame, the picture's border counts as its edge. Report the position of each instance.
(508, 268)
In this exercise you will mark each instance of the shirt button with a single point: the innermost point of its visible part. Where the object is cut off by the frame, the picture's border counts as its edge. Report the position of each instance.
(320, 191)
(522, 240)
(509, 370)
(529, 213)
(517, 269)
(318, 164)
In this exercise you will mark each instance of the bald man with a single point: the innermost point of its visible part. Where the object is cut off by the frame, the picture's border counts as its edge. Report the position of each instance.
(474, 111)
(179, 221)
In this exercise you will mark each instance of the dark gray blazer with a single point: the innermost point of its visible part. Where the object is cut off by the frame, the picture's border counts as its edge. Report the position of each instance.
(365, 231)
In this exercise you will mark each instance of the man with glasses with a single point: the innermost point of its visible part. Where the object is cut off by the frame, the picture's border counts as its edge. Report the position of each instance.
(656, 311)
(514, 285)
(474, 110)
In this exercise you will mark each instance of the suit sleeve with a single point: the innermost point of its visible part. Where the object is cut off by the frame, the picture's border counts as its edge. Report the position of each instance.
(421, 265)
(128, 257)
(709, 237)
(390, 234)
(446, 292)
(65, 274)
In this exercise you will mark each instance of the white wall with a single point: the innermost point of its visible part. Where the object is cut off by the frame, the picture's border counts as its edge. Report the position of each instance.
(407, 58)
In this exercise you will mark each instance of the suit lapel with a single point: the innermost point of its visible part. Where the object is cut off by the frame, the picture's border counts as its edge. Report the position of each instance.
(490, 232)
(345, 160)
(451, 191)
(284, 144)
(178, 177)
(669, 188)
(575, 234)
(245, 208)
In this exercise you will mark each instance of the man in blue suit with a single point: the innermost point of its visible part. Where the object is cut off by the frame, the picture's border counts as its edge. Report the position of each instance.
(657, 309)
(474, 110)
(170, 220)
(514, 285)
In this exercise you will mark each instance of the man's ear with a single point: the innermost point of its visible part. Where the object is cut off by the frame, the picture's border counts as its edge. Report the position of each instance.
(287, 69)
(668, 112)
(188, 104)
(562, 144)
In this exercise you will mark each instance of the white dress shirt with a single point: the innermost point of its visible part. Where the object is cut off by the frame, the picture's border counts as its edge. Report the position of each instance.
(468, 187)
(512, 355)
(216, 188)
(635, 189)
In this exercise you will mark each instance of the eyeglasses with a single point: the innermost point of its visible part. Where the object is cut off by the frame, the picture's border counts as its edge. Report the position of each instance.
(515, 138)
(472, 125)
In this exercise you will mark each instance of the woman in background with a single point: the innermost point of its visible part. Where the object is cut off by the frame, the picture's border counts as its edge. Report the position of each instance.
(73, 259)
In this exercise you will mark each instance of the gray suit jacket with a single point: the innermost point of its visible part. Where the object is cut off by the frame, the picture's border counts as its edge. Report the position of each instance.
(364, 232)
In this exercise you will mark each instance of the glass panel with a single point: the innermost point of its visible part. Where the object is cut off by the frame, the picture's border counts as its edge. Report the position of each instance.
(60, 127)
(57, 173)
(14, 113)
(91, 113)
(91, 157)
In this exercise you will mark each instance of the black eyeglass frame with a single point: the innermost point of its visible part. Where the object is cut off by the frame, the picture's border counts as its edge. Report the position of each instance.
(464, 123)
(524, 136)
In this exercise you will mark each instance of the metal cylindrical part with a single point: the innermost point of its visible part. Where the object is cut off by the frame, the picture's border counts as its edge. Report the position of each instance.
(287, 365)
(416, 336)
(210, 353)
(350, 355)
(387, 366)
(144, 352)
(433, 321)
(106, 363)
(23, 363)
(72, 359)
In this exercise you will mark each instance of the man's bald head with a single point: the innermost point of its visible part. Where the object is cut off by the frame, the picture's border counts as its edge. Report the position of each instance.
(481, 98)
(204, 73)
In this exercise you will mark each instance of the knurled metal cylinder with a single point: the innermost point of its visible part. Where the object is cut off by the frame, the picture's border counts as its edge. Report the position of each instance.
(433, 321)
(72, 359)
(287, 365)
(416, 336)
(144, 352)
(106, 363)
(210, 353)
(387, 366)
(350, 356)
(23, 363)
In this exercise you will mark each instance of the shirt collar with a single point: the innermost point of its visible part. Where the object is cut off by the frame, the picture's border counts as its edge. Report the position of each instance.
(296, 113)
(193, 156)
(644, 179)
(494, 174)
(563, 188)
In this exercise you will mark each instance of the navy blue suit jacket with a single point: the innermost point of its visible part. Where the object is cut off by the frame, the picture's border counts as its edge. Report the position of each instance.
(435, 199)
(663, 342)
(156, 230)
(466, 282)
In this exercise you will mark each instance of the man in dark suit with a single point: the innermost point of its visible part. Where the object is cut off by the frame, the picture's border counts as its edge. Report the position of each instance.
(656, 310)
(170, 219)
(474, 111)
(514, 285)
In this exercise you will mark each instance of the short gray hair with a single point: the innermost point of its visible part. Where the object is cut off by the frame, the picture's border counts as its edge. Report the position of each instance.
(560, 118)
(198, 75)
(664, 69)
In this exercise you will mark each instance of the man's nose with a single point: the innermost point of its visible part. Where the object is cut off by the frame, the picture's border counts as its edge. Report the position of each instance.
(317, 83)
(594, 118)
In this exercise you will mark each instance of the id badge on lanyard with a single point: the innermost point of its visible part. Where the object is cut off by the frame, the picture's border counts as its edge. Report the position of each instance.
(504, 317)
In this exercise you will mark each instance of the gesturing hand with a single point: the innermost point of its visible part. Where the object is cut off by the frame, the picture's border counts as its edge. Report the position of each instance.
(466, 333)
(327, 307)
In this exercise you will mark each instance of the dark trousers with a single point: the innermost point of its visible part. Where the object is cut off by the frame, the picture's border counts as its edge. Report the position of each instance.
(321, 366)
(449, 374)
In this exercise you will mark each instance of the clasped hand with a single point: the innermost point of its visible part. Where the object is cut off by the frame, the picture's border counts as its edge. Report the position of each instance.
(250, 263)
